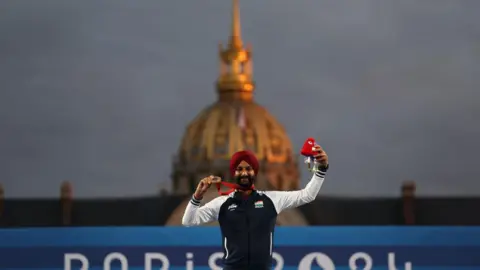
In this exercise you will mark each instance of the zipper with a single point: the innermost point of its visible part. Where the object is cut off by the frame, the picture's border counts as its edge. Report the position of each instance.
(248, 241)
(226, 248)
(271, 236)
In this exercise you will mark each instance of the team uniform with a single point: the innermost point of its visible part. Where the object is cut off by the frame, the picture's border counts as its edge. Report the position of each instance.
(247, 223)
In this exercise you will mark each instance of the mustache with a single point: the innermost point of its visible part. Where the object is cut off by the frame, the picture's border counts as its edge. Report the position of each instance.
(244, 177)
(250, 178)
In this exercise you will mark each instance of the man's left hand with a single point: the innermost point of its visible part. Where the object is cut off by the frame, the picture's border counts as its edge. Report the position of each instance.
(320, 155)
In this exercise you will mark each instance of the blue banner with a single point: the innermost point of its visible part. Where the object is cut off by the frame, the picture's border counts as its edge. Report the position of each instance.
(327, 248)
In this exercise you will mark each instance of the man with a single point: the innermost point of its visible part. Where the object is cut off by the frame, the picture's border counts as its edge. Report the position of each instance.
(247, 217)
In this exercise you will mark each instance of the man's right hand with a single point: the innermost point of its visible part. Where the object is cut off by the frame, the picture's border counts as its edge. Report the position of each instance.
(205, 184)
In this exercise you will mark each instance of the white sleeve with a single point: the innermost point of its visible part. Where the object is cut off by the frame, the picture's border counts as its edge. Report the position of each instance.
(291, 199)
(196, 215)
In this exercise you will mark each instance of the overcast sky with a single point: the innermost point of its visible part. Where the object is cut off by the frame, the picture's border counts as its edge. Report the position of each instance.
(99, 92)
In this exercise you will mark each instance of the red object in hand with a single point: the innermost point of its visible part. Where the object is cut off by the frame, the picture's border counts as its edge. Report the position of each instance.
(307, 149)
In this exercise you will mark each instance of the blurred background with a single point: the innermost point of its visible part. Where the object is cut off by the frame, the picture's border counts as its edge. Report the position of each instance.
(121, 107)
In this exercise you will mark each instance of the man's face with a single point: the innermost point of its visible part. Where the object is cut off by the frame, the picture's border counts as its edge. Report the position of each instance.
(244, 174)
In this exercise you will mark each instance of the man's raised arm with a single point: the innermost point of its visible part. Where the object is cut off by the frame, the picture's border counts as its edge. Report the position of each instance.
(290, 199)
(197, 215)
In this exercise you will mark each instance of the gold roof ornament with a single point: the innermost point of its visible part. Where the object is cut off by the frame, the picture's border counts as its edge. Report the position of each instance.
(235, 79)
(235, 122)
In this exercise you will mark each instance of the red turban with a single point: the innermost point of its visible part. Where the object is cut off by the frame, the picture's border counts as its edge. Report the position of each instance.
(246, 156)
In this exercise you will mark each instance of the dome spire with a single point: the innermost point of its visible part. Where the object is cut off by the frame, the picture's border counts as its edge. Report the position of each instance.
(236, 35)
(235, 79)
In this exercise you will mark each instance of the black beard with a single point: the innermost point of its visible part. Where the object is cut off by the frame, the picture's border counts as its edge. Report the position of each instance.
(251, 179)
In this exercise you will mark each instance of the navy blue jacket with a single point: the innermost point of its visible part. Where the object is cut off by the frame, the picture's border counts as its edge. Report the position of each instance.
(248, 224)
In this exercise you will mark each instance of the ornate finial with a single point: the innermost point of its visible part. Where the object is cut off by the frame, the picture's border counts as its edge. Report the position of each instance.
(2, 199)
(235, 80)
(66, 197)
(236, 35)
(66, 190)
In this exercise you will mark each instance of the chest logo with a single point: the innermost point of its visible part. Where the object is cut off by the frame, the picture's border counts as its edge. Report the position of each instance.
(259, 204)
(232, 207)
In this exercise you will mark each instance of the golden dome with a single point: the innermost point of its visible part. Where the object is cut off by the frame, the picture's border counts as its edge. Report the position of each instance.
(235, 122)
(227, 127)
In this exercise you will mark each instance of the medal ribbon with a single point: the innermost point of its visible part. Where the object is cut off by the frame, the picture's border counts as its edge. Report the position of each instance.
(232, 187)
